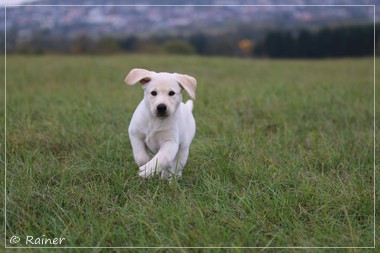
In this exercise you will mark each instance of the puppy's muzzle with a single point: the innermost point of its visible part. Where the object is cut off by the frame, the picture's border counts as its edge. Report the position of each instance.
(161, 110)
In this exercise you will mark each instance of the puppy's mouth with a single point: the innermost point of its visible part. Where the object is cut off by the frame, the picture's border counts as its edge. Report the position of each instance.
(162, 115)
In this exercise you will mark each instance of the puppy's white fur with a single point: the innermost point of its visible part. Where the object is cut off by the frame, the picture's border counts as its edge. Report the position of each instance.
(165, 133)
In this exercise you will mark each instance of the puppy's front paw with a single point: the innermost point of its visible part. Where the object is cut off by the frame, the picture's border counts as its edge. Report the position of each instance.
(146, 172)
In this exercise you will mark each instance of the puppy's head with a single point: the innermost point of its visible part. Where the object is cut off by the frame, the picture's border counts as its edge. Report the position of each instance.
(162, 91)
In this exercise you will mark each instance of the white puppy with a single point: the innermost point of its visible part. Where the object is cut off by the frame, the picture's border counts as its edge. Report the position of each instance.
(162, 124)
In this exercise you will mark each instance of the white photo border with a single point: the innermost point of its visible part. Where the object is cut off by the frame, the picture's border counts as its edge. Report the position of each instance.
(191, 5)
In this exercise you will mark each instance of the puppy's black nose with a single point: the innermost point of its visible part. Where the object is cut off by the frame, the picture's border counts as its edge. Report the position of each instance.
(161, 108)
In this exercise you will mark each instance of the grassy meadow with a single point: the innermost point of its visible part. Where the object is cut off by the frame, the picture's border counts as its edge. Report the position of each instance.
(282, 157)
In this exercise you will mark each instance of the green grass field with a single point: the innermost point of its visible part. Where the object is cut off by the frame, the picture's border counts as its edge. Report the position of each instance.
(282, 157)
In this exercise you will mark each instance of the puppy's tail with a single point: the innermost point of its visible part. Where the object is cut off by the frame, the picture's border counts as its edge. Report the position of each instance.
(190, 104)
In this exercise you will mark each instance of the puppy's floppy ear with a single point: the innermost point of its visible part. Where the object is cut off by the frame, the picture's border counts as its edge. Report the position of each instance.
(138, 75)
(188, 83)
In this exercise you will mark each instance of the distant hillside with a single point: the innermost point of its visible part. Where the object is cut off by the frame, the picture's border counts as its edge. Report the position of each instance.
(119, 21)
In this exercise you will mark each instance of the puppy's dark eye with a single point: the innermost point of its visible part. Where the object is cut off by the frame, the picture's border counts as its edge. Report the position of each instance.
(171, 93)
(154, 93)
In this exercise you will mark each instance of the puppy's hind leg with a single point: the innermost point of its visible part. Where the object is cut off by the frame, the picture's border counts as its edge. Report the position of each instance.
(165, 174)
(180, 162)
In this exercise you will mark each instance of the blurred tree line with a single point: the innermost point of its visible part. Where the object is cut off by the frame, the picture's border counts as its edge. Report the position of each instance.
(350, 41)
(345, 41)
